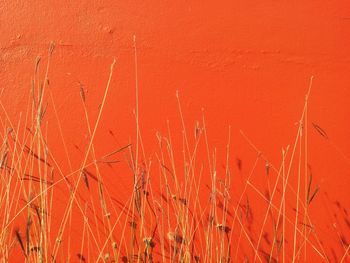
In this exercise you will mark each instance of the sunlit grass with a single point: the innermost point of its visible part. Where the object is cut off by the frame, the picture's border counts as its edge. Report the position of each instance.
(174, 212)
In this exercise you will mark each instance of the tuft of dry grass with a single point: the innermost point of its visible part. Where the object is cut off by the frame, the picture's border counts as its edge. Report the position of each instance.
(173, 213)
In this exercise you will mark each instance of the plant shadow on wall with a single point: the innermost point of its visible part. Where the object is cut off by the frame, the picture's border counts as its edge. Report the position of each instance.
(180, 207)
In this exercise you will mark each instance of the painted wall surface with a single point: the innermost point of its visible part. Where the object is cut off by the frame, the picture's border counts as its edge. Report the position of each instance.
(245, 64)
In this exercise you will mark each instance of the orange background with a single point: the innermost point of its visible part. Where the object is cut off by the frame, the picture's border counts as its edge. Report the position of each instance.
(246, 63)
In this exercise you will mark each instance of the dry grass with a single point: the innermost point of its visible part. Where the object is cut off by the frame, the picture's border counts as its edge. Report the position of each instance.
(172, 214)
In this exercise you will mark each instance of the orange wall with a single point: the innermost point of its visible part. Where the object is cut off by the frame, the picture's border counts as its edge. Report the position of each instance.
(247, 63)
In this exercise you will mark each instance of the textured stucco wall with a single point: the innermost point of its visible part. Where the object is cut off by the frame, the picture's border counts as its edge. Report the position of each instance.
(247, 63)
